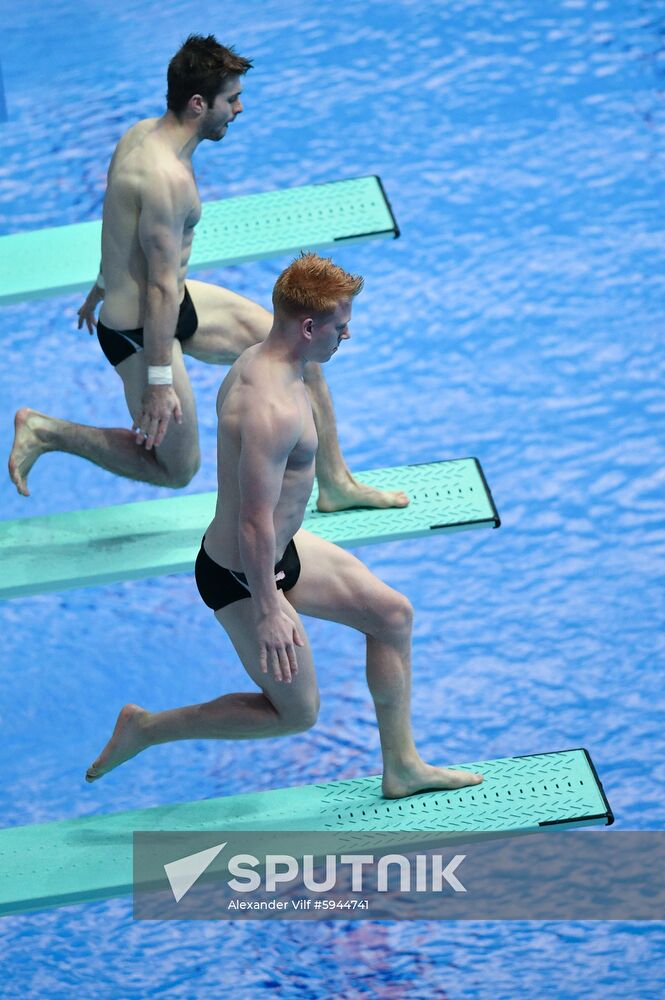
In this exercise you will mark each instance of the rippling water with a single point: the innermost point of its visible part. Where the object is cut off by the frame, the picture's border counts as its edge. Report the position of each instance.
(519, 318)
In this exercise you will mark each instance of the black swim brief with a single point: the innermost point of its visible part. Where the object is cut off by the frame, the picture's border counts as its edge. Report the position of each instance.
(120, 344)
(220, 587)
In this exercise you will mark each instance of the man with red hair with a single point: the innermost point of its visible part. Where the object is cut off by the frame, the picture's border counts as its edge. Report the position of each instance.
(258, 569)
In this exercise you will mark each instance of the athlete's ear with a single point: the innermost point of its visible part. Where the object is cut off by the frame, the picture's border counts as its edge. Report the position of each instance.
(307, 328)
(198, 104)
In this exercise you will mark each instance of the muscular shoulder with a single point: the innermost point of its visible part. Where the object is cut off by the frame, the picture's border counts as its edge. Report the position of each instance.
(164, 186)
(256, 406)
(130, 145)
(136, 133)
(145, 164)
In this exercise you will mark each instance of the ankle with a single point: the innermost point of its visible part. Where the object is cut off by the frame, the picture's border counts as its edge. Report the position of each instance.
(45, 430)
(332, 482)
(401, 763)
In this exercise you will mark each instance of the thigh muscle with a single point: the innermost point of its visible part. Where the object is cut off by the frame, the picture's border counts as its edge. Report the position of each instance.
(181, 444)
(336, 586)
(228, 323)
(239, 621)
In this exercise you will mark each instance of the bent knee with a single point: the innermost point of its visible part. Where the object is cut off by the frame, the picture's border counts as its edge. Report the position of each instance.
(396, 613)
(303, 718)
(181, 475)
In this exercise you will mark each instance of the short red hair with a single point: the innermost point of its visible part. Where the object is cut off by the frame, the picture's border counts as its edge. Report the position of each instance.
(313, 285)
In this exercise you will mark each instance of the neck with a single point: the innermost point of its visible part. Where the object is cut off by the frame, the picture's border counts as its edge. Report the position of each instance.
(281, 347)
(182, 135)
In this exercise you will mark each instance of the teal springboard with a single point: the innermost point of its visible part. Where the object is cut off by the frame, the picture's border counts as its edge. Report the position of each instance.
(90, 858)
(129, 541)
(64, 259)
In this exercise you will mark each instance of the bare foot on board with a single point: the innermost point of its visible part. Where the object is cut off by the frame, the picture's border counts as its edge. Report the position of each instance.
(351, 493)
(422, 777)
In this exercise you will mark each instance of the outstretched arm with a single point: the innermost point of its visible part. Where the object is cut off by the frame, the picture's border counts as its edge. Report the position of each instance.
(267, 438)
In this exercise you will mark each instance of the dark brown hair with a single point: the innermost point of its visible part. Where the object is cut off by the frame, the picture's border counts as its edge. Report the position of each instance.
(201, 66)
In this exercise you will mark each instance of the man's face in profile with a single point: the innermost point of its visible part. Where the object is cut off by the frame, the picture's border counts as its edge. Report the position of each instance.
(217, 117)
(327, 334)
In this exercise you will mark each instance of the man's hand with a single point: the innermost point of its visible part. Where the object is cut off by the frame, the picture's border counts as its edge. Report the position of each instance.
(86, 313)
(278, 635)
(159, 404)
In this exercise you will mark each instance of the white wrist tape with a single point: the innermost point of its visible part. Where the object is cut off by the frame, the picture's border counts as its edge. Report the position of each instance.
(100, 281)
(160, 375)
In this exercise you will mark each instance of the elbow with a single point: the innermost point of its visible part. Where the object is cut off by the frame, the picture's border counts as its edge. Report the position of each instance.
(255, 528)
(162, 285)
(162, 288)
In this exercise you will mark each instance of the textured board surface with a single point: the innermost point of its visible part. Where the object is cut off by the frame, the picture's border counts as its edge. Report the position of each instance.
(79, 860)
(64, 259)
(157, 537)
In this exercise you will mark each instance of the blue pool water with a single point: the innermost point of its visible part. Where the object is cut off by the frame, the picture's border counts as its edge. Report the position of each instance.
(519, 318)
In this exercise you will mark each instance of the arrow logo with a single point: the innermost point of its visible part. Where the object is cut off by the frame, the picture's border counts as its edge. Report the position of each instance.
(183, 873)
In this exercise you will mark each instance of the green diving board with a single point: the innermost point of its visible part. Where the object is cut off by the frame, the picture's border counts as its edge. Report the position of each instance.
(131, 541)
(64, 259)
(90, 858)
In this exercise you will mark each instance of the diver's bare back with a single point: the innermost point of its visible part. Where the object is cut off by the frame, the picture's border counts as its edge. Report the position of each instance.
(259, 389)
(143, 162)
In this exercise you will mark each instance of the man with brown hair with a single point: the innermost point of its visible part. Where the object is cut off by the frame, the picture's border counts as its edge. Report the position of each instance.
(258, 569)
(151, 315)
